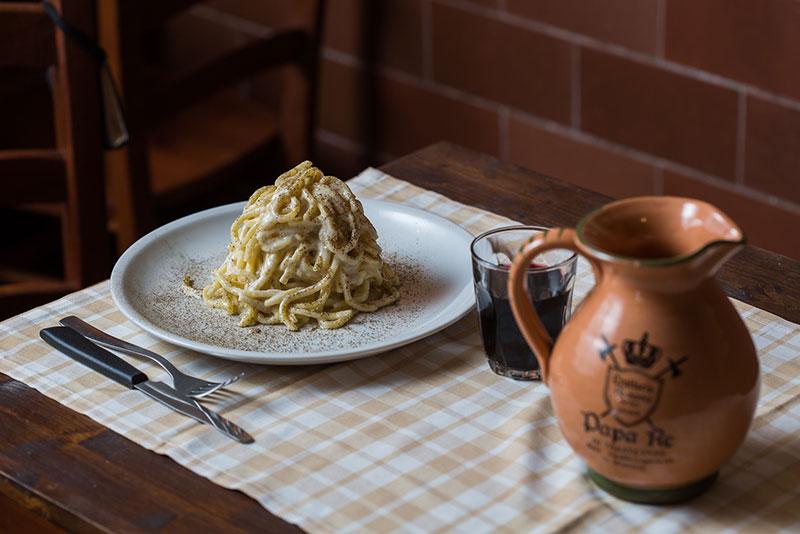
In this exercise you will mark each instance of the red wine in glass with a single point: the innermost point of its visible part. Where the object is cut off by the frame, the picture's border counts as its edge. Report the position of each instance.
(505, 347)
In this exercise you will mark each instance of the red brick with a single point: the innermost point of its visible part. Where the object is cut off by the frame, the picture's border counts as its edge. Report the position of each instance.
(659, 112)
(631, 23)
(338, 161)
(340, 100)
(400, 35)
(772, 160)
(590, 166)
(484, 3)
(399, 24)
(766, 226)
(399, 31)
(501, 62)
(342, 29)
(756, 41)
(412, 117)
(291, 109)
(268, 87)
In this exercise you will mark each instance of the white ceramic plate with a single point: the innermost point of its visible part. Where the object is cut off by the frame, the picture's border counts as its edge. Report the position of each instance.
(429, 253)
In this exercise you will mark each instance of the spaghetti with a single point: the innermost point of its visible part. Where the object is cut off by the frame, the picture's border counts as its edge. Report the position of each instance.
(302, 251)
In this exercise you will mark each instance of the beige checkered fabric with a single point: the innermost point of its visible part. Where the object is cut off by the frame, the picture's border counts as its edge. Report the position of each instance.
(422, 438)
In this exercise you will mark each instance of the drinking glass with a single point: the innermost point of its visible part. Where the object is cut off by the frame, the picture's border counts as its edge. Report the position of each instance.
(550, 281)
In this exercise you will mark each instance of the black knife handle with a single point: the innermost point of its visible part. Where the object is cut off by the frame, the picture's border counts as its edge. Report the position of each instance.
(84, 351)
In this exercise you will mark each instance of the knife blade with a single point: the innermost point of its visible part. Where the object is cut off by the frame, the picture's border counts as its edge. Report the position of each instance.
(82, 350)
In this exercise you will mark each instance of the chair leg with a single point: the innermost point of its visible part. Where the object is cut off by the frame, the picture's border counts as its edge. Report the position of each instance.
(312, 77)
(127, 179)
(86, 251)
(370, 41)
(127, 173)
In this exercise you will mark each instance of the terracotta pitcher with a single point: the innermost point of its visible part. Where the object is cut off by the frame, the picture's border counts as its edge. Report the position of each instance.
(655, 379)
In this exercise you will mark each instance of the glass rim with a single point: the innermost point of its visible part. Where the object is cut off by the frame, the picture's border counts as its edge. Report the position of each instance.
(475, 257)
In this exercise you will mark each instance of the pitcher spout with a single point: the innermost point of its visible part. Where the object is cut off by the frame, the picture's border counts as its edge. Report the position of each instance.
(660, 232)
(714, 255)
(718, 237)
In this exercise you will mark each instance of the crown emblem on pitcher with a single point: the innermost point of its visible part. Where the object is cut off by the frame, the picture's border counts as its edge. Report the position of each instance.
(640, 352)
(631, 393)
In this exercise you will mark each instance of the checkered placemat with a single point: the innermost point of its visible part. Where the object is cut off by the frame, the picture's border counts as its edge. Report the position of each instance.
(422, 438)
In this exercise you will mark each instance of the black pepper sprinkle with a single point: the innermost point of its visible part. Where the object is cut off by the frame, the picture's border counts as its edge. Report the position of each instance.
(191, 318)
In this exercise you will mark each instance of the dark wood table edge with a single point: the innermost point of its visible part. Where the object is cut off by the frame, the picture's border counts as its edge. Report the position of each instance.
(68, 435)
(759, 277)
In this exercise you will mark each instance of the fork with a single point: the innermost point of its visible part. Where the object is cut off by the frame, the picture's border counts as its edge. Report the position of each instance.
(184, 384)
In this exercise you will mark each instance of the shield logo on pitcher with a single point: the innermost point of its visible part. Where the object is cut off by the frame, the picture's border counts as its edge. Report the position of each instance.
(631, 396)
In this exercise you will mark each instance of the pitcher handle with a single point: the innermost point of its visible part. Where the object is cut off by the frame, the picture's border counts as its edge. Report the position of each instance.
(528, 320)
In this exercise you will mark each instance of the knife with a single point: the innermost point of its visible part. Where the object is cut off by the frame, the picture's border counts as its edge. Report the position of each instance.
(112, 366)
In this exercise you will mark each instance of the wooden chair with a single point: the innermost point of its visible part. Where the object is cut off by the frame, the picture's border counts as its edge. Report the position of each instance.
(175, 163)
(65, 180)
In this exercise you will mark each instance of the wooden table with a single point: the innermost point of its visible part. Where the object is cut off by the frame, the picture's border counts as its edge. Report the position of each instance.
(88, 478)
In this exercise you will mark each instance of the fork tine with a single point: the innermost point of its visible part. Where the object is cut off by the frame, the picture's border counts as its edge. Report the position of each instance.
(202, 391)
(233, 379)
(211, 387)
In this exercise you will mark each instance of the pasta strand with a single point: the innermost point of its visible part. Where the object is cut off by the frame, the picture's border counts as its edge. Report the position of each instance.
(302, 252)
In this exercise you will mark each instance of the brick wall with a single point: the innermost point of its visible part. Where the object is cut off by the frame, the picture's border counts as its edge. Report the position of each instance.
(626, 97)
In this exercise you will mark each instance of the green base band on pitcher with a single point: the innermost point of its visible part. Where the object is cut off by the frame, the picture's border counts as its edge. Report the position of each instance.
(654, 496)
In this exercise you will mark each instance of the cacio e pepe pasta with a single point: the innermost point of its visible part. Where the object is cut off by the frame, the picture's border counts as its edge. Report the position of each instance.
(302, 251)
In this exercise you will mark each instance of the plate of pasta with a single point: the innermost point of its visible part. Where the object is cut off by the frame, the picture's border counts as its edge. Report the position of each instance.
(302, 273)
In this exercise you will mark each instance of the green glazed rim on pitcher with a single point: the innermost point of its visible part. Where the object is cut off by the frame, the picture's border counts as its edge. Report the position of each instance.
(653, 496)
(580, 231)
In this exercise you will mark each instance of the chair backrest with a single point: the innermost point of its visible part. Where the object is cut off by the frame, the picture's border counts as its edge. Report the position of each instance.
(132, 20)
(71, 172)
(124, 27)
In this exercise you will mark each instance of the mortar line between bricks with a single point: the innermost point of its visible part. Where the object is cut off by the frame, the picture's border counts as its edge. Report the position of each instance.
(234, 22)
(575, 95)
(441, 89)
(563, 129)
(344, 58)
(741, 136)
(503, 137)
(259, 30)
(426, 13)
(658, 180)
(661, 28)
(341, 142)
(621, 51)
(256, 29)
(411, 79)
(651, 159)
